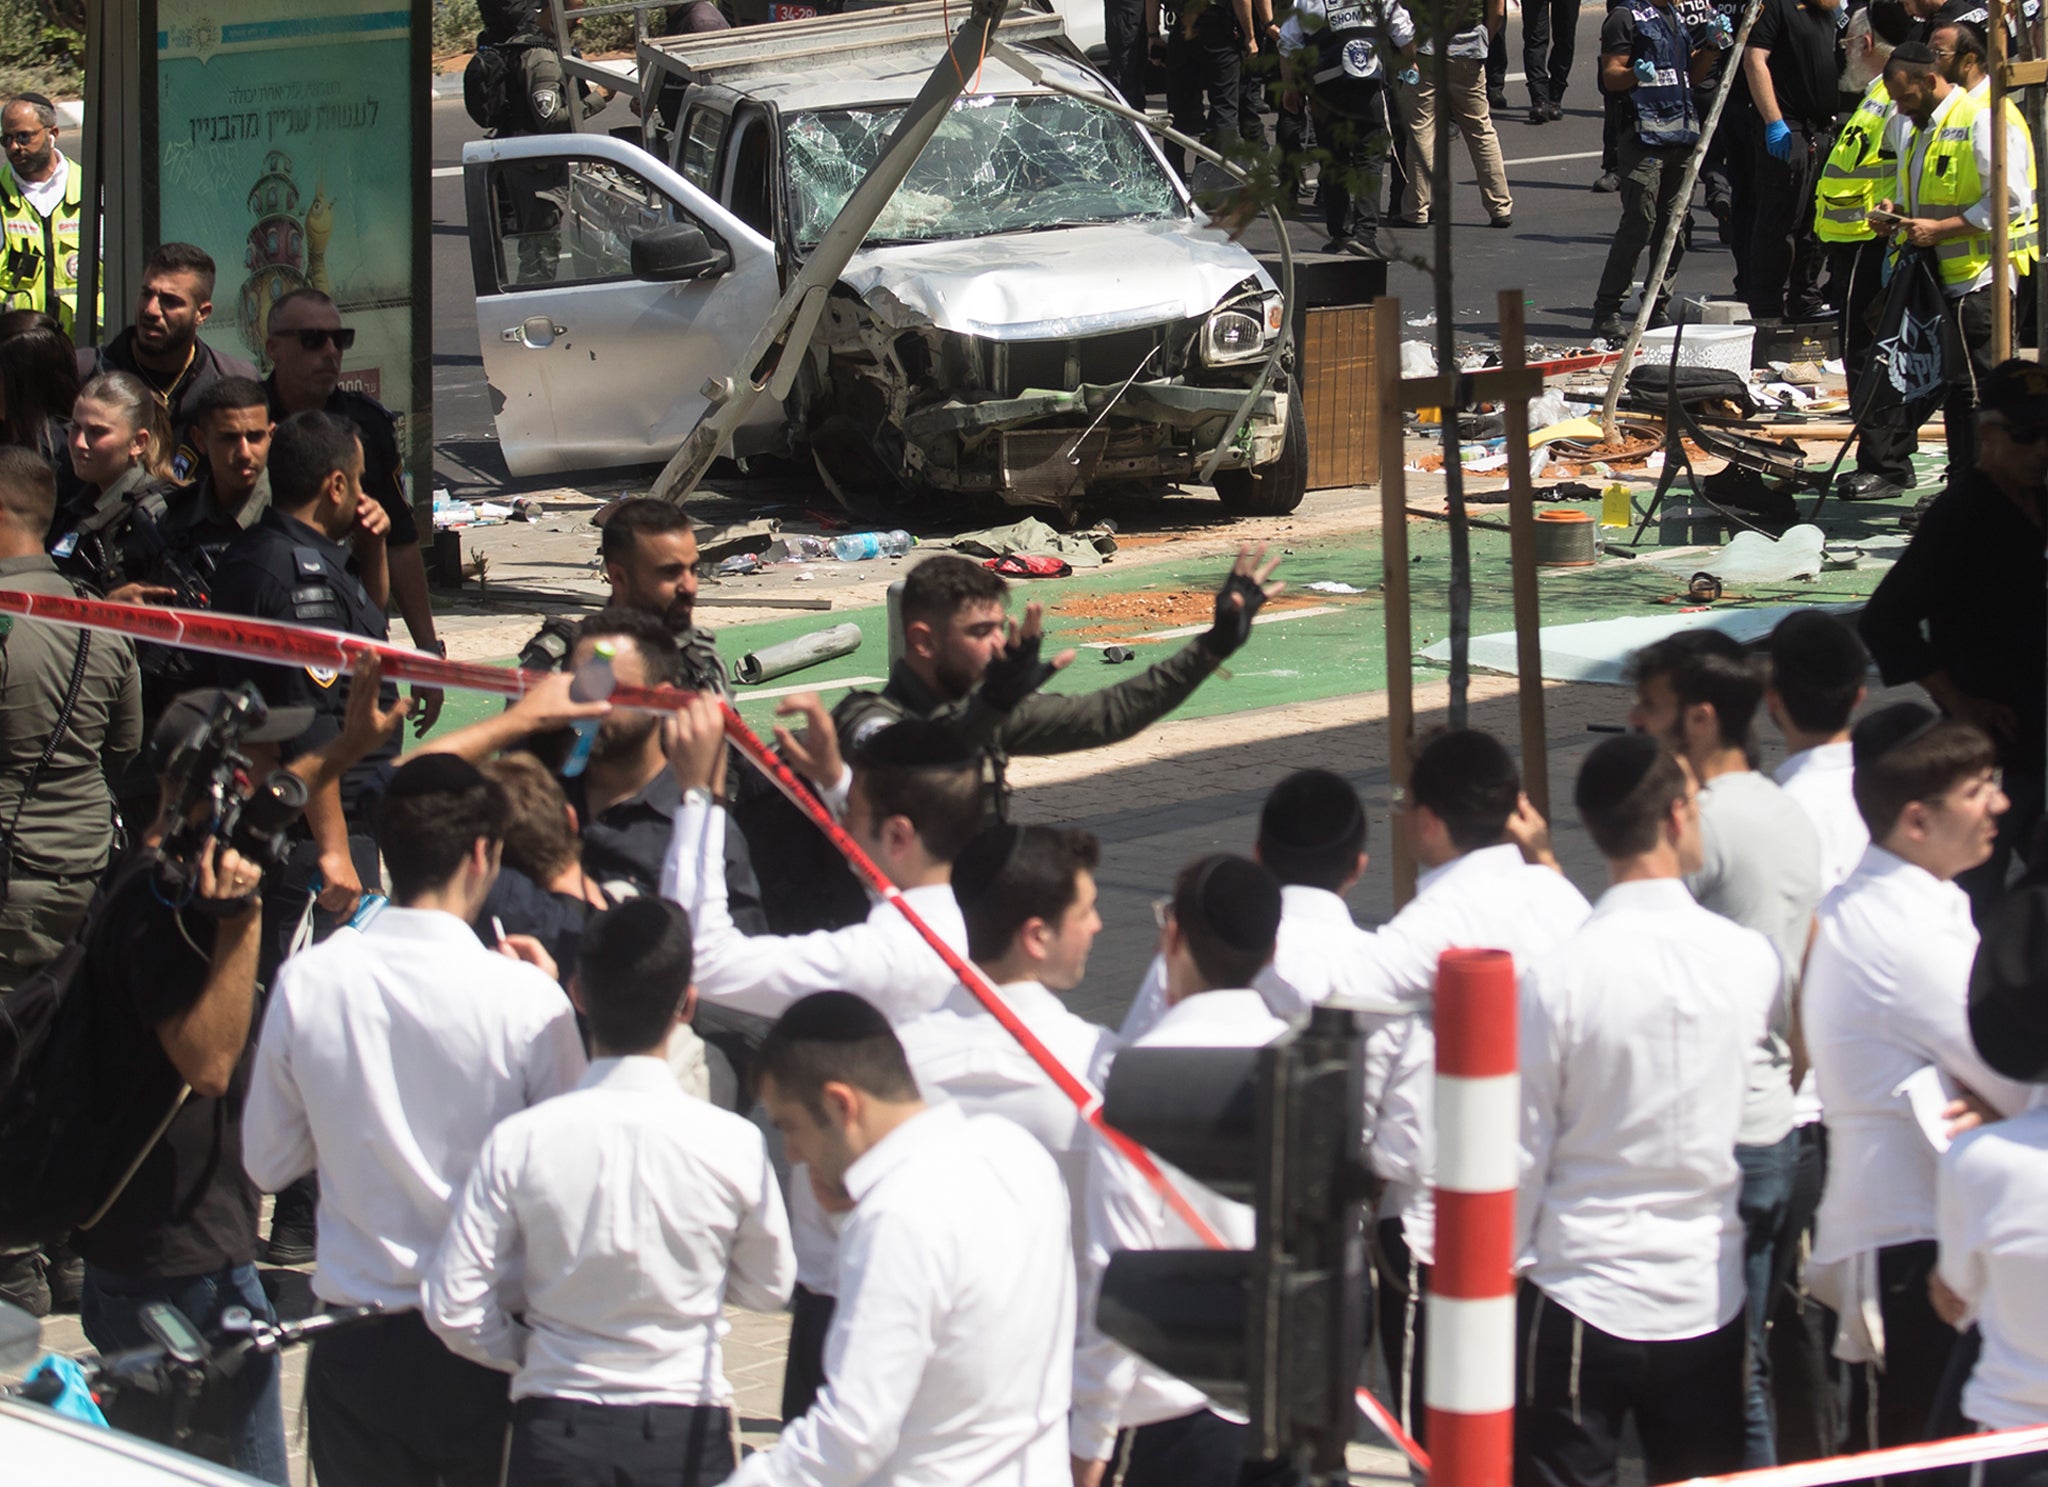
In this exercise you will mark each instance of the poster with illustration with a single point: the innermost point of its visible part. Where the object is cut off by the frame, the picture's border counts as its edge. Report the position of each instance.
(286, 150)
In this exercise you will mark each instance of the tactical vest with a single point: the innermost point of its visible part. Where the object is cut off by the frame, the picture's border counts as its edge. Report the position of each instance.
(38, 254)
(1858, 172)
(1664, 109)
(1351, 75)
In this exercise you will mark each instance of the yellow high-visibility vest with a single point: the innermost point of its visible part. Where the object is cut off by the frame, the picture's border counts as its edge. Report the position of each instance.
(38, 254)
(1858, 172)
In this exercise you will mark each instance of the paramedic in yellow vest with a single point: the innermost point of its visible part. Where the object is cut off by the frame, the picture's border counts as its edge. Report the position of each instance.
(39, 210)
(1962, 54)
(1859, 173)
(1941, 203)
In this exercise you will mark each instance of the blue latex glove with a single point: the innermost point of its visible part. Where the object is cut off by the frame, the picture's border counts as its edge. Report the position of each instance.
(1411, 76)
(1778, 139)
(1645, 70)
(75, 1398)
(1721, 35)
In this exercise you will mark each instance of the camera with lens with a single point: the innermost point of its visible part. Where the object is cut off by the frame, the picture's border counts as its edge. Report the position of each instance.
(211, 792)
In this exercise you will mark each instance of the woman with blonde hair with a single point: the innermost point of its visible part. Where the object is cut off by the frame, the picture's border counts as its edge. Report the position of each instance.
(120, 453)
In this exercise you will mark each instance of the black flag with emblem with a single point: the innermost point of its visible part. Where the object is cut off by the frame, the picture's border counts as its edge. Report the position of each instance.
(1919, 348)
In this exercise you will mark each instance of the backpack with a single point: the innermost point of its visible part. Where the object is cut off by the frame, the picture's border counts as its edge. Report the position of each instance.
(64, 1156)
(516, 86)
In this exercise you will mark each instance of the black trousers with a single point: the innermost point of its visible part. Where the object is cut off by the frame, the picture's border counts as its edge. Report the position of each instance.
(569, 1443)
(1123, 32)
(1198, 1450)
(1959, 413)
(1349, 186)
(388, 1406)
(1782, 275)
(1885, 446)
(1550, 30)
(1203, 78)
(2024, 787)
(1650, 178)
(1496, 64)
(803, 1374)
(1578, 1387)
(1807, 1385)
(1892, 1408)
(1398, 1316)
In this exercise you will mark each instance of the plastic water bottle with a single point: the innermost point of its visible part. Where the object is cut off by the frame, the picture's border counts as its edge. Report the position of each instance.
(803, 549)
(855, 547)
(593, 682)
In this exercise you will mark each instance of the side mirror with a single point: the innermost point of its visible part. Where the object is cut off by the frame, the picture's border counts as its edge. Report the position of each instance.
(677, 253)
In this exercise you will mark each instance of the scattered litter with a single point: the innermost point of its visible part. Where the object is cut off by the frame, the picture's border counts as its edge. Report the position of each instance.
(1417, 360)
(1113, 654)
(1551, 408)
(1423, 321)
(1033, 538)
(1332, 586)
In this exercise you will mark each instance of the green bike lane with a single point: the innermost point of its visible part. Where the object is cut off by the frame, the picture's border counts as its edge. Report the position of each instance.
(1309, 647)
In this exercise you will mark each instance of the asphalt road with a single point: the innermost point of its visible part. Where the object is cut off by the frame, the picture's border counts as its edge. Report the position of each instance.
(1554, 251)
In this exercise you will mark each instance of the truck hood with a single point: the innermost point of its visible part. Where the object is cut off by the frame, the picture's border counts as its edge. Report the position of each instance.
(1065, 281)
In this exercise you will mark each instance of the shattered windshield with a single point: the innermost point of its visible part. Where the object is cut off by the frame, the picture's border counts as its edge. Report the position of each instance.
(995, 165)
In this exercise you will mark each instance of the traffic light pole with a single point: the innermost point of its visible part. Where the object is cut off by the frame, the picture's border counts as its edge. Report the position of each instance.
(1470, 1385)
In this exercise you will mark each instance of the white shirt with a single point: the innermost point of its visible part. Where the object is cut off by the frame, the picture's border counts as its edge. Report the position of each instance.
(1397, 24)
(1991, 1195)
(951, 1353)
(1113, 1388)
(1885, 996)
(883, 960)
(1489, 899)
(45, 195)
(618, 1219)
(385, 1060)
(1320, 953)
(1635, 1040)
(1822, 780)
(961, 1053)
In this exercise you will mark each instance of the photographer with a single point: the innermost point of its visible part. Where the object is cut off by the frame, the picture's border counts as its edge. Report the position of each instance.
(169, 973)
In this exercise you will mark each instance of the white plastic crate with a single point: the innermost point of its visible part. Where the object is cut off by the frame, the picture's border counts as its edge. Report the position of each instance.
(1728, 347)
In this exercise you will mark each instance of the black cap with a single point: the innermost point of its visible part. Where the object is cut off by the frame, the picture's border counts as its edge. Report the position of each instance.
(189, 711)
(1240, 902)
(2009, 986)
(1890, 21)
(913, 743)
(2017, 391)
(1887, 728)
(433, 774)
(1312, 810)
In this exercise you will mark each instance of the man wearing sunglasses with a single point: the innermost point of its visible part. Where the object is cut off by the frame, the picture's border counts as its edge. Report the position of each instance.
(305, 344)
(1964, 611)
(40, 193)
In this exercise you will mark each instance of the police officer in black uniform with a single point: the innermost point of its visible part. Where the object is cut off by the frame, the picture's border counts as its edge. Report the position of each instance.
(305, 342)
(1208, 43)
(315, 557)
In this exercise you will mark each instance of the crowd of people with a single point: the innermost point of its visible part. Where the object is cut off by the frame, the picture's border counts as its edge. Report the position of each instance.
(493, 1025)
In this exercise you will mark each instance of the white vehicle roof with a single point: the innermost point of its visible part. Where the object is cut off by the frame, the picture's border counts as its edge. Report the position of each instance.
(862, 58)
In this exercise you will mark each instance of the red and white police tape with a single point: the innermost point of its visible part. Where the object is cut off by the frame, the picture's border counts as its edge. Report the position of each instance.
(1959, 1450)
(280, 643)
(1469, 1383)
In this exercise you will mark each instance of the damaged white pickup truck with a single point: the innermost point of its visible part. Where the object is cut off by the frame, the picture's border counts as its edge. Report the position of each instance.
(1039, 313)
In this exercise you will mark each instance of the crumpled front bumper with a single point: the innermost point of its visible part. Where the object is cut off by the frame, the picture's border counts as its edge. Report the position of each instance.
(1040, 449)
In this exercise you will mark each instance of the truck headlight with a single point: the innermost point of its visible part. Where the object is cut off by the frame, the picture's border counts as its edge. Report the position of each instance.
(1243, 331)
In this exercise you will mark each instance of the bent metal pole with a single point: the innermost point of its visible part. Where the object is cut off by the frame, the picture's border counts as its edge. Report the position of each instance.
(279, 643)
(1469, 1384)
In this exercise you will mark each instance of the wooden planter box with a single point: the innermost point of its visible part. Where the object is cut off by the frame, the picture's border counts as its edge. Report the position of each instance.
(1337, 394)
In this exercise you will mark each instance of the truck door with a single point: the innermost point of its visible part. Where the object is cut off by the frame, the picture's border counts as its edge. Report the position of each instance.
(596, 351)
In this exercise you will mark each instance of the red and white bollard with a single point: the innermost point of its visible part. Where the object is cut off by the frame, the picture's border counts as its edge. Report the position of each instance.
(1469, 1384)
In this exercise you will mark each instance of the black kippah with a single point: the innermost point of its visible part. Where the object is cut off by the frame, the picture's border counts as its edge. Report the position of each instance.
(1311, 810)
(1888, 728)
(914, 743)
(434, 774)
(981, 863)
(1915, 53)
(1241, 903)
